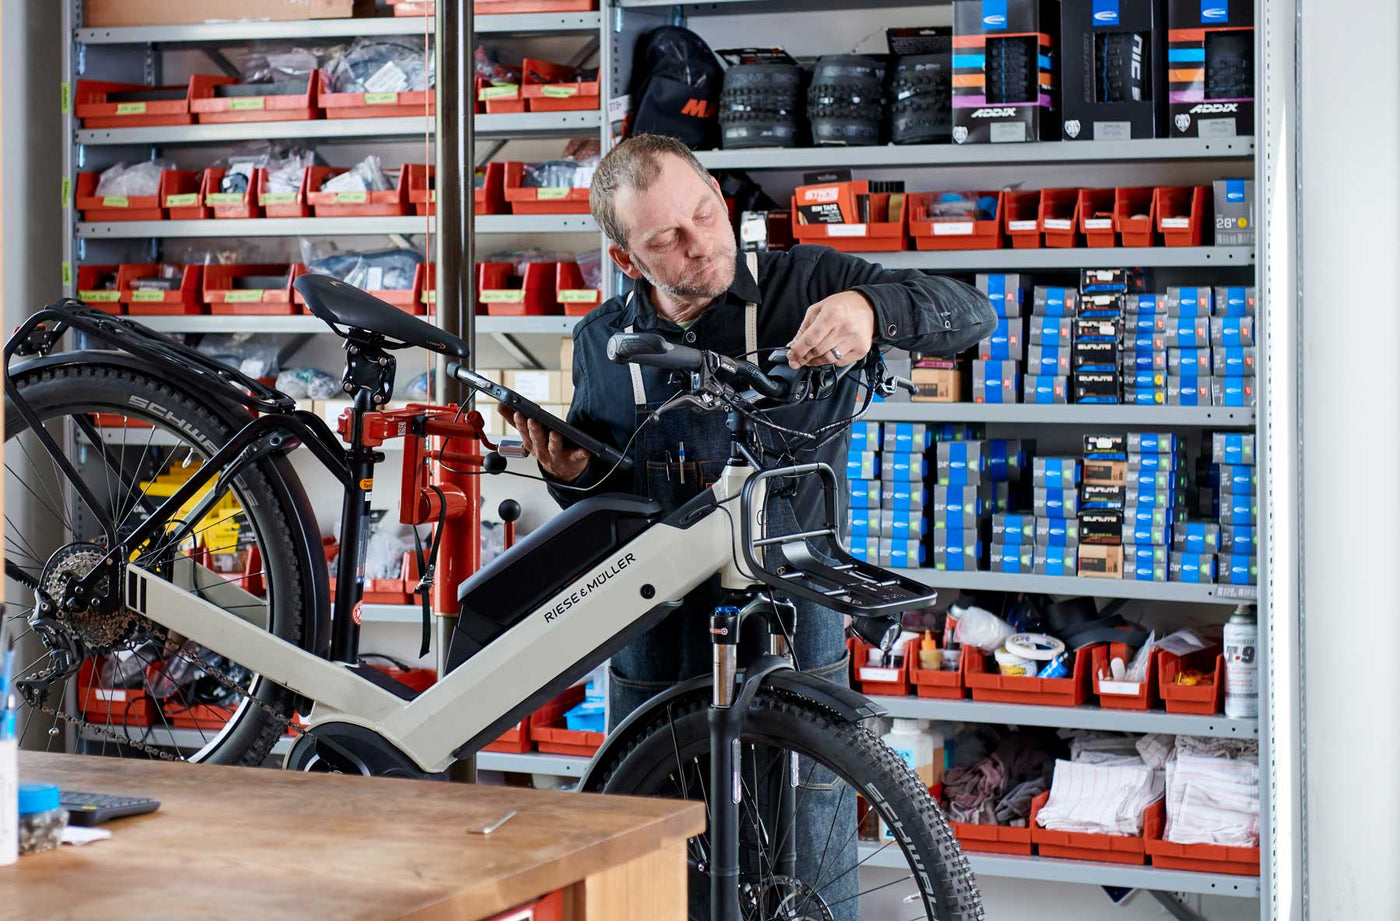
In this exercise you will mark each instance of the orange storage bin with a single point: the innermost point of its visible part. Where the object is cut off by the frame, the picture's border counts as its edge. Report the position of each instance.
(182, 195)
(548, 200)
(184, 301)
(1096, 210)
(406, 104)
(1203, 858)
(388, 203)
(230, 205)
(1201, 698)
(549, 733)
(515, 740)
(288, 204)
(212, 104)
(1075, 845)
(422, 191)
(418, 679)
(498, 98)
(534, 6)
(569, 291)
(226, 294)
(1144, 698)
(413, 7)
(874, 237)
(490, 197)
(1135, 215)
(1023, 218)
(101, 104)
(94, 207)
(1059, 217)
(428, 295)
(206, 718)
(502, 293)
(896, 685)
(114, 706)
(551, 87)
(948, 685)
(1182, 214)
(92, 290)
(931, 232)
(992, 839)
(987, 683)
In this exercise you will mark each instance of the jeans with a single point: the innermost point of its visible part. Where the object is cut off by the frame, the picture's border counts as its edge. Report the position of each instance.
(679, 648)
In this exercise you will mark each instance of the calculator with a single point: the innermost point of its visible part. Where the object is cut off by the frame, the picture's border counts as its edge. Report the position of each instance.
(97, 808)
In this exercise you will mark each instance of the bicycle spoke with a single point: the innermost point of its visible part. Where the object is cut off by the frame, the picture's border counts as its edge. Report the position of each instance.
(902, 879)
(27, 488)
(135, 478)
(52, 467)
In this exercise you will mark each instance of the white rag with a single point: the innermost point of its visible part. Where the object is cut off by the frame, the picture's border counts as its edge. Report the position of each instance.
(1212, 800)
(1106, 799)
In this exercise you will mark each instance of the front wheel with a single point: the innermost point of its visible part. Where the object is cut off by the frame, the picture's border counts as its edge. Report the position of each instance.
(912, 869)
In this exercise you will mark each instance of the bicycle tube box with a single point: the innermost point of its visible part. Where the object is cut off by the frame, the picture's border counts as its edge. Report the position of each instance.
(1004, 71)
(183, 300)
(987, 683)
(1076, 845)
(1114, 79)
(1006, 292)
(216, 100)
(1210, 63)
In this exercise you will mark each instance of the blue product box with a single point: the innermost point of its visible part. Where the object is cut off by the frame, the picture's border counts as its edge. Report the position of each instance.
(1144, 396)
(1232, 391)
(1147, 516)
(957, 557)
(1012, 558)
(1056, 561)
(1234, 301)
(1145, 303)
(1153, 443)
(1055, 302)
(1196, 537)
(1191, 363)
(865, 436)
(865, 549)
(1234, 331)
(1147, 360)
(1235, 478)
(1047, 359)
(1005, 293)
(1045, 389)
(1143, 342)
(1189, 391)
(1006, 342)
(996, 381)
(1056, 331)
(863, 465)
(1138, 323)
(1237, 569)
(865, 522)
(1187, 332)
(1191, 567)
(1140, 535)
(1144, 379)
(1055, 503)
(901, 554)
(1239, 538)
(955, 505)
(906, 437)
(1232, 448)
(1157, 480)
(1155, 462)
(1006, 458)
(865, 493)
(1236, 508)
(960, 463)
(589, 716)
(1013, 529)
(1233, 361)
(1135, 497)
(1190, 302)
(904, 467)
(1145, 564)
(1057, 532)
(1056, 472)
(902, 497)
(958, 431)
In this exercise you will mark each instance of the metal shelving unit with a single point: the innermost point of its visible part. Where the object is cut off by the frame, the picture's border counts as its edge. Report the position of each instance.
(328, 226)
(1086, 414)
(1188, 593)
(1015, 260)
(506, 24)
(1087, 717)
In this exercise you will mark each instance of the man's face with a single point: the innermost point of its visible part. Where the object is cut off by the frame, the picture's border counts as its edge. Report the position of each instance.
(679, 238)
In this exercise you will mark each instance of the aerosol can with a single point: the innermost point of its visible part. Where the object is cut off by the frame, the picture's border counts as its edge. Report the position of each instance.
(1242, 664)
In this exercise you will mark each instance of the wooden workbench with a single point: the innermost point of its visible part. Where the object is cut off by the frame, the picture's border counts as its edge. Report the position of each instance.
(241, 843)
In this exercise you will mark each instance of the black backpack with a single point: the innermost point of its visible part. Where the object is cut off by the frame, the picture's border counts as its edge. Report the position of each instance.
(676, 80)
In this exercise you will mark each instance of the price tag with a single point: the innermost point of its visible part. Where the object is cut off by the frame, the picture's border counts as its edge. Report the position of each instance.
(577, 295)
(845, 230)
(1055, 223)
(183, 200)
(116, 201)
(65, 98)
(224, 198)
(279, 198)
(250, 104)
(251, 296)
(503, 91)
(1098, 223)
(952, 228)
(1022, 225)
(131, 108)
(558, 91)
(148, 296)
(100, 297)
(65, 192)
(381, 99)
(552, 192)
(1176, 223)
(351, 198)
(503, 296)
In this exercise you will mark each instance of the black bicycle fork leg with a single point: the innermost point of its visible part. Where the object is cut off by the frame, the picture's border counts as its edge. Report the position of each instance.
(726, 790)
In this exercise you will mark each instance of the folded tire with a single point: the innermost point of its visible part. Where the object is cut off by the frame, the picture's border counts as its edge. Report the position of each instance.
(760, 105)
(845, 100)
(921, 100)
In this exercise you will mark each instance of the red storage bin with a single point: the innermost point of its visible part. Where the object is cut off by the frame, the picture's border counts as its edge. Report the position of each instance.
(1135, 215)
(501, 293)
(1075, 845)
(1096, 222)
(534, 6)
(422, 193)
(569, 291)
(111, 706)
(1023, 218)
(895, 686)
(428, 296)
(1203, 858)
(224, 297)
(182, 196)
(417, 679)
(413, 7)
(550, 200)
(874, 237)
(948, 685)
(992, 839)
(89, 292)
(1191, 698)
(515, 740)
(184, 301)
(406, 299)
(95, 107)
(211, 108)
(987, 683)
(406, 104)
(490, 198)
(94, 207)
(550, 87)
(288, 204)
(498, 98)
(551, 736)
(206, 718)
(1144, 698)
(1059, 217)
(388, 203)
(954, 233)
(1182, 214)
(230, 205)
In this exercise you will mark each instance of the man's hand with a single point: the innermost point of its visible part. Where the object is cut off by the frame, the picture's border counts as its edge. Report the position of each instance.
(837, 330)
(560, 461)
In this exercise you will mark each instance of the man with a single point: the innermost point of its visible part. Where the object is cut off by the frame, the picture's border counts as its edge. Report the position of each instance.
(668, 229)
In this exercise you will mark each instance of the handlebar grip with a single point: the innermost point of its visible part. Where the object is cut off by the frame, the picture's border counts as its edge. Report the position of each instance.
(651, 349)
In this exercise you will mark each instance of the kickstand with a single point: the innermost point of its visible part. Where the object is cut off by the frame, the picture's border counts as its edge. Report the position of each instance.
(1174, 907)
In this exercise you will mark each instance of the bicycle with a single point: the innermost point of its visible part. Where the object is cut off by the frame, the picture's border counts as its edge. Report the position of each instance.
(127, 571)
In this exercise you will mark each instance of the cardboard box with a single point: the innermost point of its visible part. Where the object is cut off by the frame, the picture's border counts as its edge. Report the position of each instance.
(1196, 537)
(1239, 538)
(1145, 535)
(1097, 387)
(1190, 301)
(1106, 447)
(1213, 97)
(1045, 388)
(1004, 71)
(1234, 212)
(1232, 391)
(536, 386)
(1101, 561)
(1101, 527)
(1189, 362)
(955, 550)
(1237, 569)
(1236, 478)
(906, 437)
(566, 353)
(1098, 497)
(1232, 331)
(1097, 330)
(1013, 529)
(1115, 69)
(1151, 498)
(939, 384)
(1050, 331)
(1191, 567)
(1143, 564)
(1050, 301)
(1144, 303)
(996, 382)
(865, 436)
(910, 468)
(957, 507)
(1095, 356)
(1149, 323)
(1056, 561)
(960, 463)
(888, 524)
(1148, 516)
(1234, 301)
(865, 493)
(1055, 503)
(1232, 448)
(1056, 472)
(1189, 391)
(1233, 361)
(1237, 508)
(1114, 281)
(903, 496)
(1048, 360)
(1159, 480)
(1101, 306)
(1057, 532)
(1144, 396)
(1154, 443)
(105, 13)
(1187, 332)
(901, 554)
(1142, 360)
(1012, 558)
(1006, 292)
(1173, 461)
(1105, 472)
(1007, 341)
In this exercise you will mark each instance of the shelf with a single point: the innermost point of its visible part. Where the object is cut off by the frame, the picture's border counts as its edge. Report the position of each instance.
(1080, 871)
(513, 24)
(1065, 414)
(935, 155)
(330, 226)
(524, 124)
(1080, 585)
(978, 711)
(1044, 258)
(527, 326)
(485, 326)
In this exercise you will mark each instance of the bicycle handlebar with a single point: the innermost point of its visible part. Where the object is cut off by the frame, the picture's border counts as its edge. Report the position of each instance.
(651, 349)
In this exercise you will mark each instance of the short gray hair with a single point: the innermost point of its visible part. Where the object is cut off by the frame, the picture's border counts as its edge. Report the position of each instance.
(635, 164)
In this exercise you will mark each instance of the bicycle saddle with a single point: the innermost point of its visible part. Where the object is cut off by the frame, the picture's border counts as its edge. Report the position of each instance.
(342, 305)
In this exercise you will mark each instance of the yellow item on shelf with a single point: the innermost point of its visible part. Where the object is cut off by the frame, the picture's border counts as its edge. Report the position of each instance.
(930, 656)
(219, 528)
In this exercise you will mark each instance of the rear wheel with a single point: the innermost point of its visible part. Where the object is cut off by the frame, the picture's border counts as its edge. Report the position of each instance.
(119, 682)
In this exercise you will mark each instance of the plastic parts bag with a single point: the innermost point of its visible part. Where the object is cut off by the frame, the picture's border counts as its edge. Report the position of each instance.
(488, 68)
(590, 266)
(136, 179)
(398, 65)
(366, 176)
(248, 356)
(310, 383)
(981, 628)
(417, 389)
(557, 174)
(381, 270)
(284, 172)
(384, 554)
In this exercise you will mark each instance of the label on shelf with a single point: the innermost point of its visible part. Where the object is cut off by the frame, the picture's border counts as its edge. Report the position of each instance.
(279, 198)
(108, 694)
(139, 296)
(100, 297)
(1021, 225)
(430, 296)
(1176, 223)
(432, 195)
(952, 228)
(65, 193)
(503, 296)
(558, 91)
(183, 200)
(1056, 223)
(65, 97)
(552, 192)
(351, 198)
(503, 91)
(250, 104)
(67, 273)
(381, 99)
(577, 295)
(1098, 223)
(618, 107)
(251, 296)
(115, 201)
(845, 230)
(131, 108)
(224, 198)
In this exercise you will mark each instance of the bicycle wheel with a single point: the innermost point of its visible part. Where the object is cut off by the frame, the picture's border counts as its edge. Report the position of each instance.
(122, 682)
(914, 869)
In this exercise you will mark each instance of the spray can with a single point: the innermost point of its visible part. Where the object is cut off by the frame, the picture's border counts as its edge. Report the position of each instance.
(1242, 664)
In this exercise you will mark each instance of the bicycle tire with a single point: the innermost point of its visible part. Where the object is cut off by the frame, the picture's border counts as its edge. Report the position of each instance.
(641, 764)
(65, 390)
